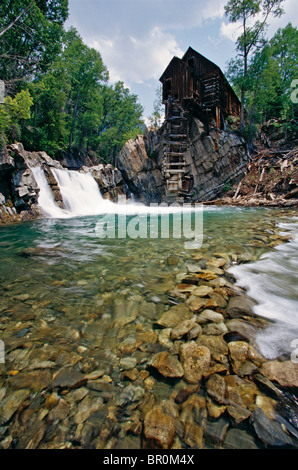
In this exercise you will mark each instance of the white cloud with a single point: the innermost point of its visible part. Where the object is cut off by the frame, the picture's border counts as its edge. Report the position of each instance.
(230, 30)
(137, 59)
(138, 38)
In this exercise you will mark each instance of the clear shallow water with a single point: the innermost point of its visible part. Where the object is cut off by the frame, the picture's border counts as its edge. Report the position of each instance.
(64, 264)
(70, 298)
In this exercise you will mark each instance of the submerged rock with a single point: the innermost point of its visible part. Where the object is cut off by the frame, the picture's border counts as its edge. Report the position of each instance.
(11, 403)
(159, 429)
(269, 431)
(195, 361)
(168, 365)
(69, 378)
(174, 316)
(182, 329)
(239, 439)
(285, 373)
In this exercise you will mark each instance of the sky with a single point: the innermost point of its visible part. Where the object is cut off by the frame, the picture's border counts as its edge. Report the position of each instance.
(138, 38)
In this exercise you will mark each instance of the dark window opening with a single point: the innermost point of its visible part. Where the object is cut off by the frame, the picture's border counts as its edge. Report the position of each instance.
(167, 88)
(191, 63)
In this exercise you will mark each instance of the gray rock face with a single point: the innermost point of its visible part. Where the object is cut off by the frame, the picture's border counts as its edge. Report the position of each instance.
(109, 180)
(142, 174)
(214, 162)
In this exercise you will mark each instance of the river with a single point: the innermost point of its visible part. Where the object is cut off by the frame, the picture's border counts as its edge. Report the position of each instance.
(77, 290)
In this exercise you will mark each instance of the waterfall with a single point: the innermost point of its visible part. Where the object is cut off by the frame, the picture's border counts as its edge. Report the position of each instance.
(81, 197)
(80, 192)
(46, 200)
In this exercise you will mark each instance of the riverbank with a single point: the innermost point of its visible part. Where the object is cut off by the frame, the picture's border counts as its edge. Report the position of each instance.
(160, 355)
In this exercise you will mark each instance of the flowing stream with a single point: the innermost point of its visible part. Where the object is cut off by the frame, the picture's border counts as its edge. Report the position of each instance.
(270, 280)
(70, 295)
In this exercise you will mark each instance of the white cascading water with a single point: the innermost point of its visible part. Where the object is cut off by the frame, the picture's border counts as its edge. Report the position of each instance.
(80, 192)
(81, 196)
(46, 200)
(272, 281)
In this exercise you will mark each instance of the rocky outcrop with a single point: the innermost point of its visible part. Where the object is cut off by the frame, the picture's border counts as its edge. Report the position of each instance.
(18, 188)
(213, 162)
(109, 180)
(19, 191)
(140, 165)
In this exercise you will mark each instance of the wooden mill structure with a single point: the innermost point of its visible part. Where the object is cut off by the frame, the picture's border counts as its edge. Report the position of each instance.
(191, 85)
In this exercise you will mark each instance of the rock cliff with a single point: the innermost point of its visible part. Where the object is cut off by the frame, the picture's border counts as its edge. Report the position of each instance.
(213, 162)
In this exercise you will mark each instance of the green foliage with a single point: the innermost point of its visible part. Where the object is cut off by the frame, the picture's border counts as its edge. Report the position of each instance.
(76, 111)
(58, 98)
(157, 115)
(252, 15)
(27, 48)
(269, 76)
(13, 112)
(121, 120)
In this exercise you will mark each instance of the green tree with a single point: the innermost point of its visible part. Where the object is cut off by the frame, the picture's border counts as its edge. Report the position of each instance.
(30, 38)
(121, 120)
(269, 77)
(76, 111)
(13, 112)
(66, 99)
(252, 35)
(157, 115)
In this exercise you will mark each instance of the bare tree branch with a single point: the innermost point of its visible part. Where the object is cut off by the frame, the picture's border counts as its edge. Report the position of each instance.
(16, 19)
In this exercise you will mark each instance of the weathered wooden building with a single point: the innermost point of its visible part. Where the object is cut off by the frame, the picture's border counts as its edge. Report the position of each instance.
(198, 84)
(193, 85)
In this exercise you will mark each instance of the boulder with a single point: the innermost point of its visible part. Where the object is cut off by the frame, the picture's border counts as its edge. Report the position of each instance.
(269, 431)
(174, 316)
(239, 306)
(168, 365)
(285, 373)
(245, 360)
(182, 329)
(195, 361)
(159, 429)
(68, 378)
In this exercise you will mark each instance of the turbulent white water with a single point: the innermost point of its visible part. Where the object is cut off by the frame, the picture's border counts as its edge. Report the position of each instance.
(272, 281)
(81, 196)
(46, 200)
(80, 192)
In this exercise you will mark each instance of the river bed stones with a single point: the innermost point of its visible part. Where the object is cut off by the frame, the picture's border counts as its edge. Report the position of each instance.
(174, 316)
(245, 360)
(285, 373)
(11, 403)
(159, 429)
(195, 361)
(168, 365)
(112, 368)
